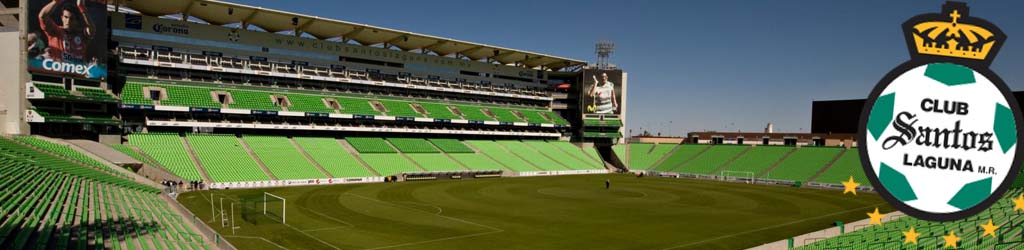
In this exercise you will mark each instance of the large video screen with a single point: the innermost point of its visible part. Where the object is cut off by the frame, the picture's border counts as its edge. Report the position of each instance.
(68, 37)
(602, 92)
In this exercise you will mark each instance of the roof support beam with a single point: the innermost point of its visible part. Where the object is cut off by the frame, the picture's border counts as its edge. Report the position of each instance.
(534, 60)
(348, 35)
(500, 55)
(245, 21)
(188, 11)
(299, 29)
(435, 45)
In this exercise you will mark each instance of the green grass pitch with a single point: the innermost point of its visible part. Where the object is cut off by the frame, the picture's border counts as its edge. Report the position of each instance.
(555, 212)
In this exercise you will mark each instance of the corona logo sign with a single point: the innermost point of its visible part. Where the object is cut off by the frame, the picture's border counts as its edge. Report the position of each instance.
(939, 133)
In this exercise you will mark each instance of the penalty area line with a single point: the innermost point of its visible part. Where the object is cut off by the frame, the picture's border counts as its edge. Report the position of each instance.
(314, 237)
(256, 238)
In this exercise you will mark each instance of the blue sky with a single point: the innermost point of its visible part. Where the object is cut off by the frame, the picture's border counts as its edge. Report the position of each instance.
(721, 65)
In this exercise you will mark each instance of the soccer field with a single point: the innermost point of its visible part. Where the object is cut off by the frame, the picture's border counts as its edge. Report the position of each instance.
(556, 212)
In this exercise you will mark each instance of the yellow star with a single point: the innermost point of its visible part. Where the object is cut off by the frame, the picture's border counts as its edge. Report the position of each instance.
(850, 186)
(911, 236)
(1018, 203)
(876, 217)
(951, 240)
(990, 229)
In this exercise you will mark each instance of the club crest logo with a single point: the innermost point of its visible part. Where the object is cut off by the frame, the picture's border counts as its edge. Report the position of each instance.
(938, 134)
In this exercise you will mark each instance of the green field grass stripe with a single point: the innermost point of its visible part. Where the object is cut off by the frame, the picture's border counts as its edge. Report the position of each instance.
(896, 183)
(1005, 127)
(972, 194)
(881, 114)
(950, 74)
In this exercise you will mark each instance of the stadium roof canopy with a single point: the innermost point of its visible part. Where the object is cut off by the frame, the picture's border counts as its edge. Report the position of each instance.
(225, 13)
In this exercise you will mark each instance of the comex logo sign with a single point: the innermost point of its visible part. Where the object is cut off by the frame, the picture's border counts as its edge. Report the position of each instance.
(66, 67)
(939, 133)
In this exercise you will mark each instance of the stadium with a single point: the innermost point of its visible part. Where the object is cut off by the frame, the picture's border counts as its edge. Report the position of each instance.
(205, 124)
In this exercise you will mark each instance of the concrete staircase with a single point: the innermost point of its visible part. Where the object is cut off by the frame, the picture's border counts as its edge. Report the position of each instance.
(665, 157)
(727, 163)
(518, 156)
(448, 156)
(828, 165)
(355, 154)
(399, 152)
(256, 158)
(508, 171)
(677, 166)
(195, 160)
(309, 158)
(776, 164)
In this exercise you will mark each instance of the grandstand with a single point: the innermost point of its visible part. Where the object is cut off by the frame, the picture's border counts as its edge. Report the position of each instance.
(824, 165)
(802, 164)
(325, 152)
(759, 159)
(52, 202)
(890, 235)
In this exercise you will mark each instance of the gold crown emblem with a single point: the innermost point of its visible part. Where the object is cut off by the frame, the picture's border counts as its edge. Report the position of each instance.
(953, 34)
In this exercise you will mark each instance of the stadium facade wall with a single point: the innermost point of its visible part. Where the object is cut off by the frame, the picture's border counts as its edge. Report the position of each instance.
(200, 37)
(12, 91)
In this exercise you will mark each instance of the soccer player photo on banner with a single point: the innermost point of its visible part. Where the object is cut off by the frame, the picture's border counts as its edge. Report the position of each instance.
(940, 131)
(602, 91)
(68, 37)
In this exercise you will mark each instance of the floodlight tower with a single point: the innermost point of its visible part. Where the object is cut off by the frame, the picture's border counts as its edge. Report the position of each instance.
(604, 51)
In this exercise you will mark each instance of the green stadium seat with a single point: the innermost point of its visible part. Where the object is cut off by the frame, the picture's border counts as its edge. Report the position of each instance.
(682, 154)
(847, 165)
(399, 108)
(758, 159)
(438, 111)
(308, 103)
(567, 155)
(370, 145)
(356, 106)
(435, 162)
(474, 113)
(332, 157)
(803, 163)
(476, 161)
(412, 145)
(225, 159)
(253, 100)
(388, 164)
(44, 197)
(504, 115)
(715, 157)
(282, 158)
(168, 150)
(451, 146)
(533, 156)
(503, 156)
(643, 156)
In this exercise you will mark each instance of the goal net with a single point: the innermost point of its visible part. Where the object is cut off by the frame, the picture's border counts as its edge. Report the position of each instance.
(744, 176)
(263, 208)
(274, 207)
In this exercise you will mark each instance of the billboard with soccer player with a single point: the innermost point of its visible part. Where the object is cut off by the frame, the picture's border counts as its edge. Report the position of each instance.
(602, 92)
(68, 38)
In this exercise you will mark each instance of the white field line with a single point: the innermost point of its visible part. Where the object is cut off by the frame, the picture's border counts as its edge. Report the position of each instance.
(766, 228)
(258, 238)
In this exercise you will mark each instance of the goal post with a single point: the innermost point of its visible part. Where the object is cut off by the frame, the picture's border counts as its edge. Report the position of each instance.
(268, 198)
(735, 175)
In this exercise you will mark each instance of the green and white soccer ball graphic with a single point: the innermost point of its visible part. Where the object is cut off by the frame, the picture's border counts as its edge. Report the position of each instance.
(911, 170)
